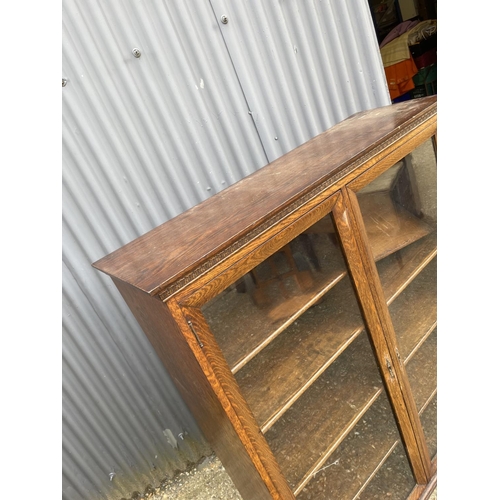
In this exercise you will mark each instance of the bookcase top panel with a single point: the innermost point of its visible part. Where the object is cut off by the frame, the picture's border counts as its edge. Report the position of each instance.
(170, 251)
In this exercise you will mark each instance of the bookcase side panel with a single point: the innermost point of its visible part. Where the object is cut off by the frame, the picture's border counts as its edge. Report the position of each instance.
(178, 358)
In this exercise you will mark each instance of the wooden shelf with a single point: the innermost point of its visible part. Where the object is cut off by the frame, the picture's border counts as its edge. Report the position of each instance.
(393, 479)
(365, 481)
(304, 438)
(422, 372)
(272, 381)
(389, 226)
(276, 378)
(289, 381)
(355, 462)
(405, 265)
(414, 314)
(429, 423)
(231, 308)
(313, 427)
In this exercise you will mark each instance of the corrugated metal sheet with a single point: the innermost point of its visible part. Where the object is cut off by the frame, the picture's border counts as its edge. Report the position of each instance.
(146, 138)
(303, 66)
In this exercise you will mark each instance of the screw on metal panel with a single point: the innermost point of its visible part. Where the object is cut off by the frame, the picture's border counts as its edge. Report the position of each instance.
(224, 19)
(136, 52)
(64, 82)
(275, 138)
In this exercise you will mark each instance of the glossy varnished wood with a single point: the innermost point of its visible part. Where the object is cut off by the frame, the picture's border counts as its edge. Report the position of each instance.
(424, 492)
(343, 393)
(412, 141)
(370, 463)
(244, 259)
(236, 407)
(400, 395)
(276, 381)
(264, 323)
(169, 251)
(372, 302)
(181, 356)
(239, 349)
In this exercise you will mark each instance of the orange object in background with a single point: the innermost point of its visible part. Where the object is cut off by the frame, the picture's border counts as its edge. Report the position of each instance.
(400, 77)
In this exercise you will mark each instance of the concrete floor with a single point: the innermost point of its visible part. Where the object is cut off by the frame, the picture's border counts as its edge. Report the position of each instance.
(207, 481)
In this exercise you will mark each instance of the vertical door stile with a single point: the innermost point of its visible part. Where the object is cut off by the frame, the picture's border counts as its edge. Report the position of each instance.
(233, 402)
(361, 265)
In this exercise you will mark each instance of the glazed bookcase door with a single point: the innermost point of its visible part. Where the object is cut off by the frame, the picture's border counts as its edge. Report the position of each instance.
(294, 339)
(296, 312)
(399, 210)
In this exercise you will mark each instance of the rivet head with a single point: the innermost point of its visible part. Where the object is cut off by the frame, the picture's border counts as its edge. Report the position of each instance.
(224, 19)
(136, 53)
(64, 82)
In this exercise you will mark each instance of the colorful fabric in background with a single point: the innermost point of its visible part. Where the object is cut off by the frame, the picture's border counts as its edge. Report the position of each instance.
(422, 31)
(400, 77)
(398, 31)
(399, 65)
(396, 51)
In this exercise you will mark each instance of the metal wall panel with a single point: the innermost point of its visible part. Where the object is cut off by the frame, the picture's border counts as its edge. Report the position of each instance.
(145, 138)
(303, 66)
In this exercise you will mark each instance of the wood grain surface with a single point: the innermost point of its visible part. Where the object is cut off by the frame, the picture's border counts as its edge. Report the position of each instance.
(235, 406)
(304, 438)
(414, 314)
(231, 307)
(181, 354)
(372, 302)
(356, 461)
(291, 363)
(389, 226)
(338, 371)
(170, 251)
(312, 428)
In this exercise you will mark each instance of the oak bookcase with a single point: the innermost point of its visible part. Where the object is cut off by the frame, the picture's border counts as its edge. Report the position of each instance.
(296, 312)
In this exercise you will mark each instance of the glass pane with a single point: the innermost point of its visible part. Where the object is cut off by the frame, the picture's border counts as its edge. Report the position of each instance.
(422, 373)
(250, 313)
(429, 421)
(400, 213)
(348, 400)
(294, 336)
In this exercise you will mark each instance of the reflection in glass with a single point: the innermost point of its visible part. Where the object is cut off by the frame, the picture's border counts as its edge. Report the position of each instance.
(400, 213)
(251, 312)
